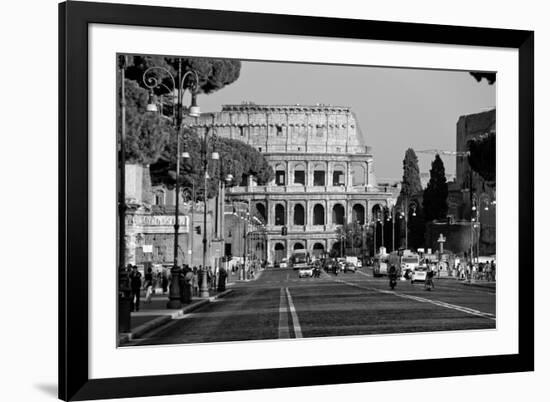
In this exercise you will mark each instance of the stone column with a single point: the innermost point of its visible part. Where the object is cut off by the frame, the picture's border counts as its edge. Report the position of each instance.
(307, 218)
(366, 173)
(309, 174)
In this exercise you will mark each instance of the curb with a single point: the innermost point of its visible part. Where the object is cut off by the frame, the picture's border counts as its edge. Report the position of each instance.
(160, 321)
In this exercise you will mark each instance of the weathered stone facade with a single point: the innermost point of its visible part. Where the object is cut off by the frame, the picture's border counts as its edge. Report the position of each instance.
(324, 174)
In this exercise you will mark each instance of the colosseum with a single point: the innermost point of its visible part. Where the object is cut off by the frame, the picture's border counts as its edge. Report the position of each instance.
(324, 173)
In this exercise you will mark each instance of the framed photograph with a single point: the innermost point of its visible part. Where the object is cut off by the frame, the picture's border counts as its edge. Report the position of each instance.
(258, 201)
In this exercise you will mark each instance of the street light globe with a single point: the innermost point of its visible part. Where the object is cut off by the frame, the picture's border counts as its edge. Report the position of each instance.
(229, 177)
(215, 156)
(152, 107)
(194, 111)
(185, 155)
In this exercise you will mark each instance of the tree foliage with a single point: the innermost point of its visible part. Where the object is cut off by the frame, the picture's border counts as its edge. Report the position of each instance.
(146, 134)
(490, 77)
(235, 157)
(482, 156)
(434, 202)
(410, 184)
(214, 74)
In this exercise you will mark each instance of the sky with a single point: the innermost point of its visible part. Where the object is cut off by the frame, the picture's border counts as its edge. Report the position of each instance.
(396, 108)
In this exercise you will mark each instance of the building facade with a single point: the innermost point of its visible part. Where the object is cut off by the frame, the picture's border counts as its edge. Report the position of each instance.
(324, 174)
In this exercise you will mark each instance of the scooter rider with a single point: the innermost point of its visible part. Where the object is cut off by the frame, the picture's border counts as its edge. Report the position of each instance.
(392, 273)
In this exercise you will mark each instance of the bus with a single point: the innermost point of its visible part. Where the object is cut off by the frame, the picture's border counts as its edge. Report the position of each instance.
(299, 259)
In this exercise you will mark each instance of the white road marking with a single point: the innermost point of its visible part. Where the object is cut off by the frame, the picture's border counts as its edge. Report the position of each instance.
(284, 332)
(439, 303)
(295, 322)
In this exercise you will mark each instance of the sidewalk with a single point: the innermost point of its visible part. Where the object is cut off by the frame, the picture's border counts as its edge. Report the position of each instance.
(155, 314)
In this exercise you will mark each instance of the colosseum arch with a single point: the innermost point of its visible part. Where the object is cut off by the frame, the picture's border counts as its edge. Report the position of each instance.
(359, 173)
(280, 174)
(299, 215)
(300, 174)
(319, 174)
(318, 214)
(339, 175)
(280, 215)
(338, 214)
(358, 214)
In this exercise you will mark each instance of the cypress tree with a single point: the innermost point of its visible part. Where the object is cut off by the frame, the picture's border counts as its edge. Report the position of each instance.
(434, 202)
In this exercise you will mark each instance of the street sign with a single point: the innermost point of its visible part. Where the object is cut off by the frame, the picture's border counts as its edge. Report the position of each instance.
(216, 247)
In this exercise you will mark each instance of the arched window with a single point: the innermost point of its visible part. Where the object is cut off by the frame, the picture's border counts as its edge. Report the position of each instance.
(280, 175)
(280, 215)
(318, 214)
(298, 246)
(338, 176)
(300, 175)
(358, 214)
(319, 176)
(338, 214)
(299, 215)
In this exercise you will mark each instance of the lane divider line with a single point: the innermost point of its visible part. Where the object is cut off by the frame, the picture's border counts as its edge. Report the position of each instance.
(284, 332)
(294, 315)
(439, 303)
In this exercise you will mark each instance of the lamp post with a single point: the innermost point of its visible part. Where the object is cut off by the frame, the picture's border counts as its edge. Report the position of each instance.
(215, 156)
(153, 79)
(405, 214)
(124, 301)
(189, 193)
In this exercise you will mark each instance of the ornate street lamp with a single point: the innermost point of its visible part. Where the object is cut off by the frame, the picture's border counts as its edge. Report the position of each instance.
(153, 78)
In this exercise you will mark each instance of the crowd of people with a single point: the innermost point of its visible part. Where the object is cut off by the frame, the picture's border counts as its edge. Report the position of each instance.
(189, 279)
(477, 271)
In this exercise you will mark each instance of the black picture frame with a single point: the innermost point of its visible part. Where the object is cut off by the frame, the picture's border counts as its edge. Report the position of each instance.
(74, 19)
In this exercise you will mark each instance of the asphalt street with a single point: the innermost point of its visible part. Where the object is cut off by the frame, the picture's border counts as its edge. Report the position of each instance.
(280, 305)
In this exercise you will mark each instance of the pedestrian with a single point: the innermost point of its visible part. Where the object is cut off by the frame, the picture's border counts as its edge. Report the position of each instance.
(493, 269)
(195, 282)
(148, 285)
(200, 276)
(164, 283)
(187, 284)
(209, 277)
(222, 276)
(135, 284)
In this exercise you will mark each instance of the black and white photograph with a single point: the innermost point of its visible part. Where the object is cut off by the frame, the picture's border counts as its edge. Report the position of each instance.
(267, 200)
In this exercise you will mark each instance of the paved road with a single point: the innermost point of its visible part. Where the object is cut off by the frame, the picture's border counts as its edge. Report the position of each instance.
(280, 305)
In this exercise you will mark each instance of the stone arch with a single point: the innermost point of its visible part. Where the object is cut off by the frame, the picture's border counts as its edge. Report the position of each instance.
(319, 214)
(299, 215)
(339, 175)
(338, 214)
(280, 215)
(358, 214)
(318, 249)
(359, 174)
(299, 173)
(280, 174)
(298, 246)
(319, 174)
(279, 252)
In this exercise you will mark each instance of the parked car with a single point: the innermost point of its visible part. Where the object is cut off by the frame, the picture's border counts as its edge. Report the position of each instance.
(283, 263)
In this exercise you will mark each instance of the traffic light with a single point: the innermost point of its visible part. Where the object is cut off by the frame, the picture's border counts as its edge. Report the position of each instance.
(198, 229)
(284, 231)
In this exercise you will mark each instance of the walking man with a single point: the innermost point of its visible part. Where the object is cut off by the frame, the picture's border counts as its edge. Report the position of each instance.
(135, 284)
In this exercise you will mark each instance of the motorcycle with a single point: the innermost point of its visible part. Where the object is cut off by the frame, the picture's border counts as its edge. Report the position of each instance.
(393, 282)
